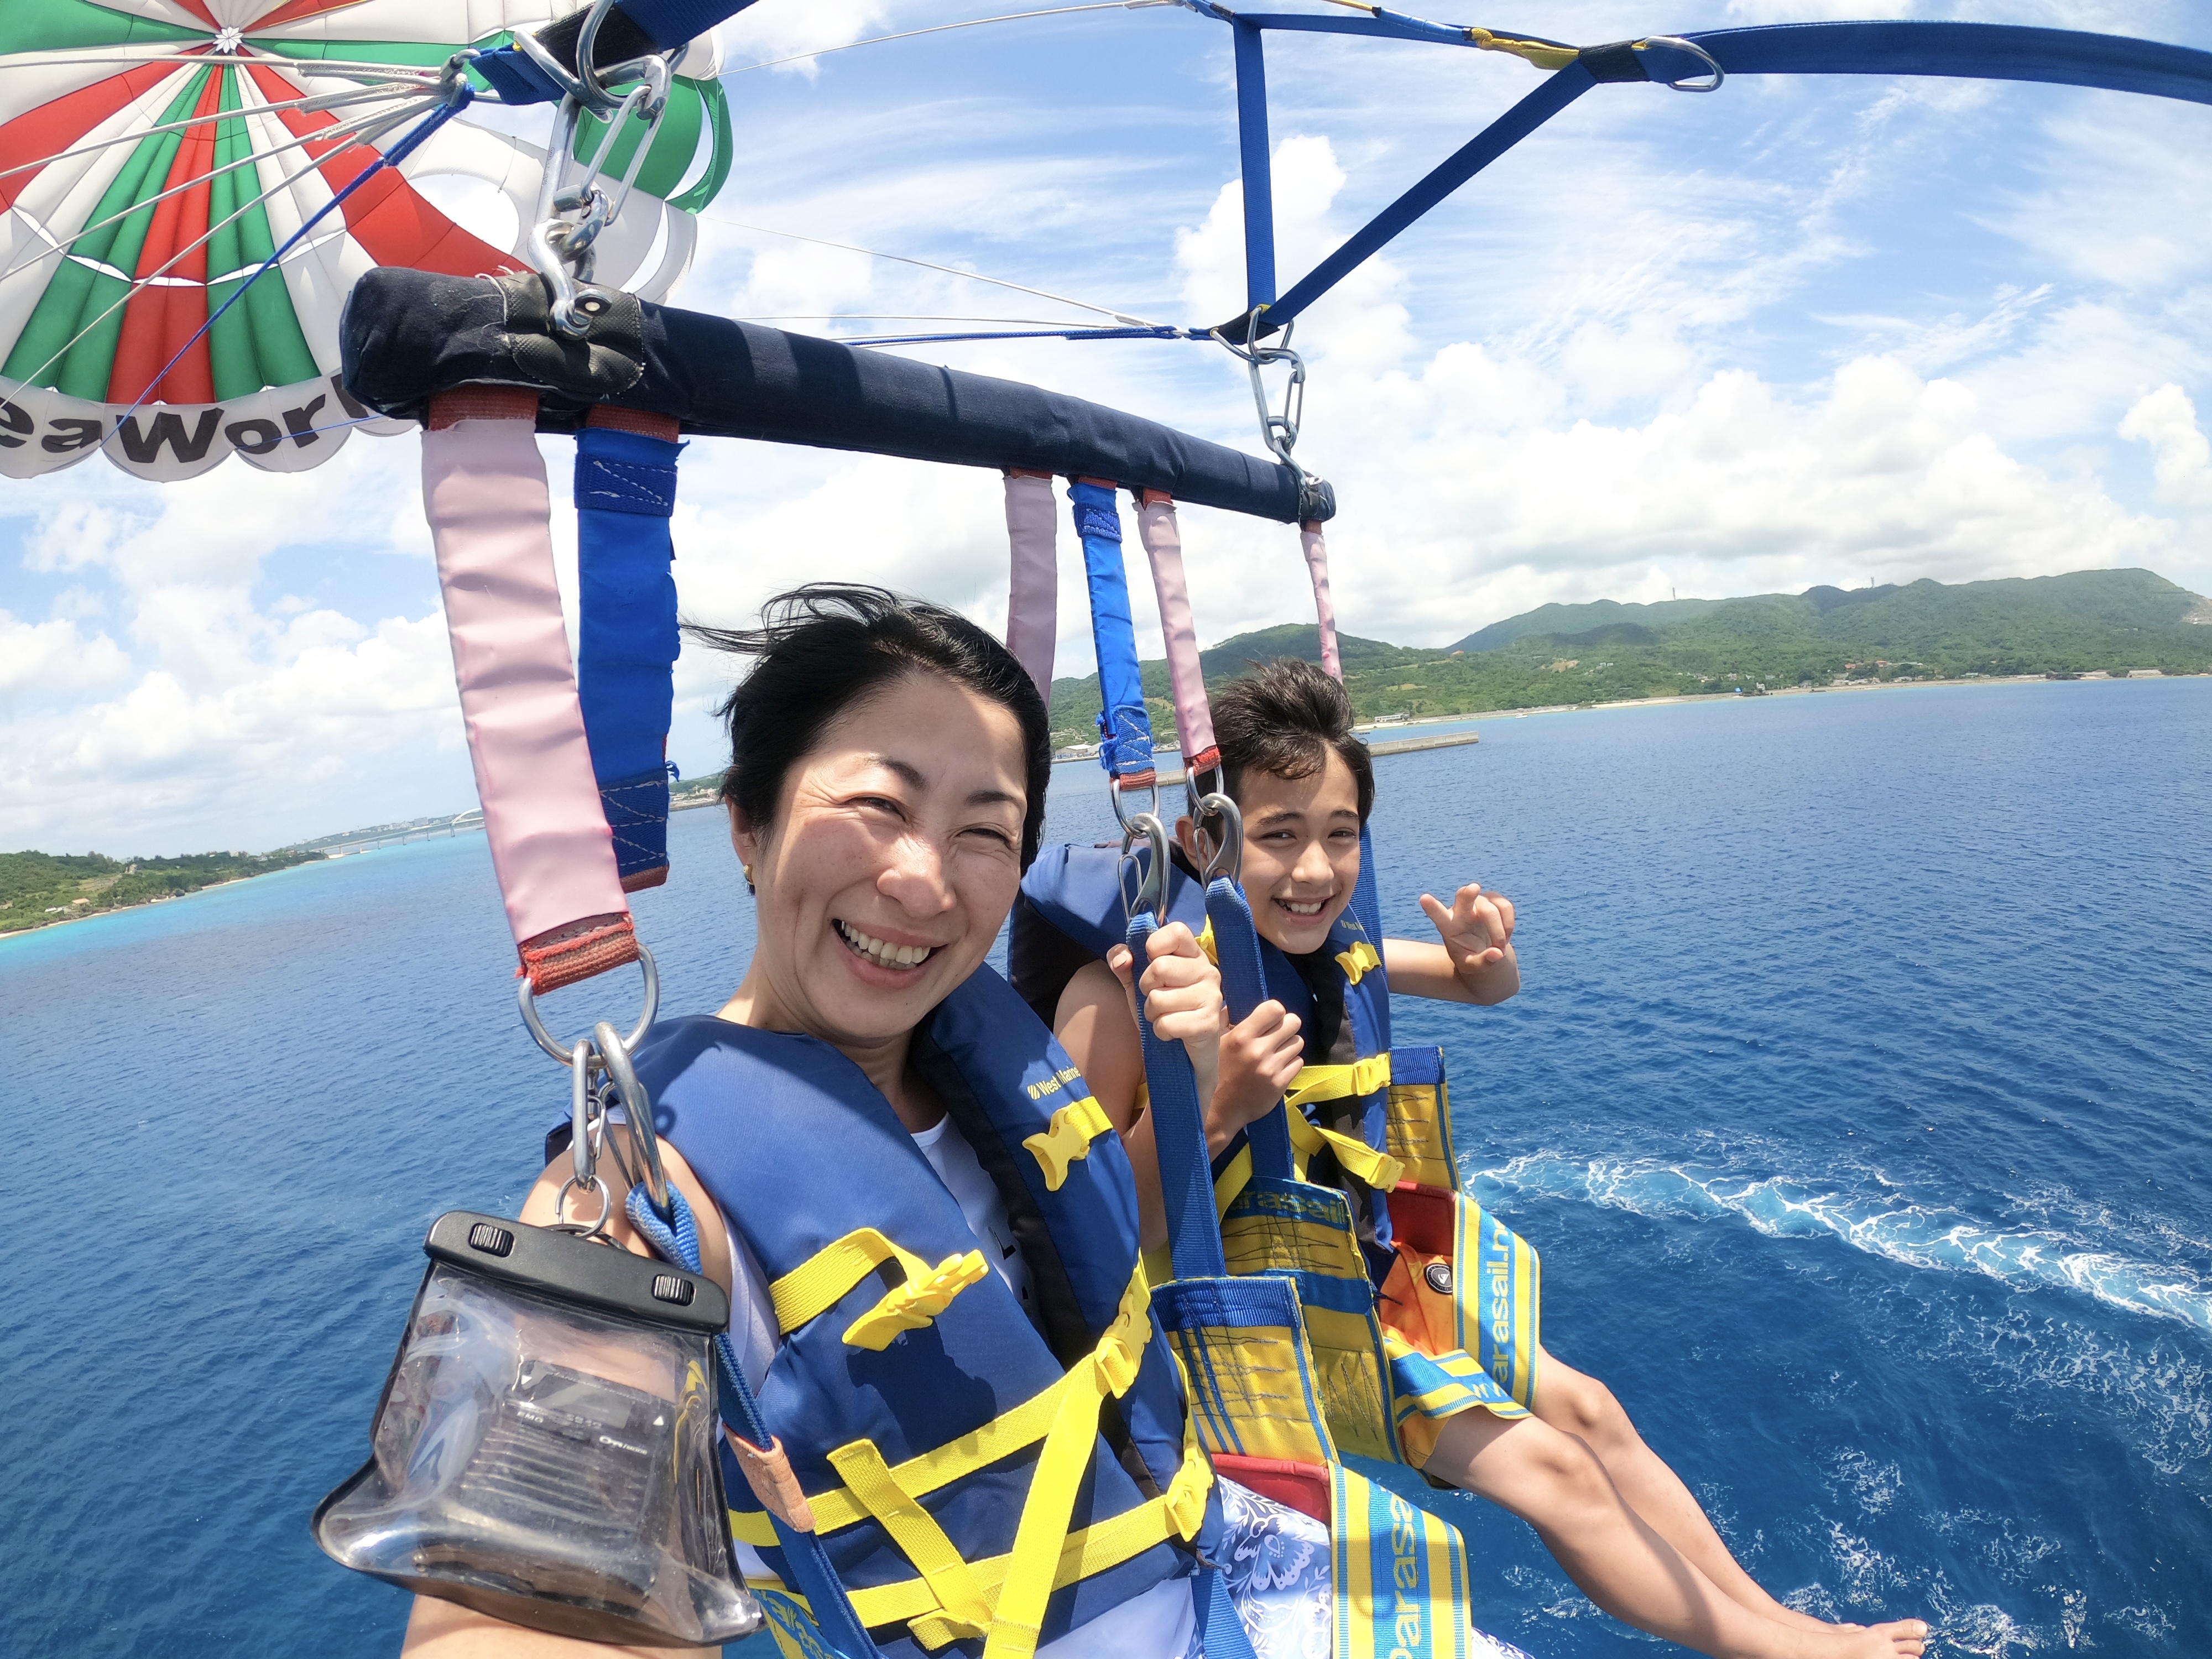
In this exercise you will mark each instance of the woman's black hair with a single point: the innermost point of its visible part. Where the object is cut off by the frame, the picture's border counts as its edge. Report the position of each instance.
(1283, 718)
(825, 646)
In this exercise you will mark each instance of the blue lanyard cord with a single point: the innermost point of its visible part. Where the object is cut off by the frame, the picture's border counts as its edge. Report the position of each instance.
(1178, 1139)
(1125, 731)
(676, 1239)
(1245, 986)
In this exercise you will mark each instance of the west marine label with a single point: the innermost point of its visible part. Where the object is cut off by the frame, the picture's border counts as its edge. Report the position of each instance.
(1055, 1083)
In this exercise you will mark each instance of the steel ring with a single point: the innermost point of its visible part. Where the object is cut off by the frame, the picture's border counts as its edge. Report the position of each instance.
(1680, 44)
(606, 1207)
(526, 999)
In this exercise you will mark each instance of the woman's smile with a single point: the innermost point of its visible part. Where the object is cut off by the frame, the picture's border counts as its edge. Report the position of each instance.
(887, 954)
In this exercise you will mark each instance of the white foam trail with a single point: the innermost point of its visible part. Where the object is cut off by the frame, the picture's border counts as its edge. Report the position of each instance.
(1885, 1224)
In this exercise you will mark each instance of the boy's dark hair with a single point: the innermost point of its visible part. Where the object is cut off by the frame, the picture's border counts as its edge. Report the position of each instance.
(1282, 719)
(824, 647)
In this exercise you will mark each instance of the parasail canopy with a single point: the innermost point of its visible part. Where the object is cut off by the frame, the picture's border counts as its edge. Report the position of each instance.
(155, 153)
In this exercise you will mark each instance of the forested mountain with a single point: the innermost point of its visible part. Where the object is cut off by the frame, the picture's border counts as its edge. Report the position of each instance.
(37, 888)
(2087, 621)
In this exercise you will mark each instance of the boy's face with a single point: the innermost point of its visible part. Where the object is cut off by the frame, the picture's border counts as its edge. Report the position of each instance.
(1301, 852)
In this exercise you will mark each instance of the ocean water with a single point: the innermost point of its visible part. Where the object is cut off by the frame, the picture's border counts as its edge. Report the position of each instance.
(1857, 1099)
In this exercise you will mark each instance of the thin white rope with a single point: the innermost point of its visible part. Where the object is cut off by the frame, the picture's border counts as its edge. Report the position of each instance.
(972, 275)
(307, 68)
(365, 140)
(340, 130)
(909, 317)
(943, 28)
(317, 105)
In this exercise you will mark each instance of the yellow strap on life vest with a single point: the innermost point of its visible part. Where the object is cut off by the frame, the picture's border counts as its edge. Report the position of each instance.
(820, 1282)
(1356, 962)
(1073, 1127)
(1004, 1599)
(1319, 1082)
(966, 1609)
(1176, 1513)
(1324, 1083)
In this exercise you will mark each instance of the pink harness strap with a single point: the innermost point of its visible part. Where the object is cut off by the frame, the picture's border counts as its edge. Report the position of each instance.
(484, 492)
(1033, 591)
(1317, 551)
(1162, 539)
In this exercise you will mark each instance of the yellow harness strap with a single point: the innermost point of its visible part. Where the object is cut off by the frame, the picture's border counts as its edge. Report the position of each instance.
(1322, 1083)
(819, 1283)
(1073, 1127)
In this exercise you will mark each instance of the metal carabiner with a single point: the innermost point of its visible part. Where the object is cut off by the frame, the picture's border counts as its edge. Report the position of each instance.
(1278, 431)
(1225, 853)
(1152, 872)
(637, 1109)
(583, 1151)
(527, 1000)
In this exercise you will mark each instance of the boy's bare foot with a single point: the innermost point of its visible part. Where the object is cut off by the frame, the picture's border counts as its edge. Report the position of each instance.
(1900, 1639)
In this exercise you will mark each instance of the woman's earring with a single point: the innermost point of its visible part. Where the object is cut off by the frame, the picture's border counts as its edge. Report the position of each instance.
(748, 869)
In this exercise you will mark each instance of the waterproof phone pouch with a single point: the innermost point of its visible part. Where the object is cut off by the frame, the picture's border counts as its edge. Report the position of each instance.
(545, 1450)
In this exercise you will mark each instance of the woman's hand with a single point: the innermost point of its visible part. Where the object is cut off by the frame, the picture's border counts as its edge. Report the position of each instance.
(1181, 992)
(1261, 1058)
(1476, 931)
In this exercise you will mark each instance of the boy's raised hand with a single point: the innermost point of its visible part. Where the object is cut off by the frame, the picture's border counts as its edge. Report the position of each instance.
(1478, 935)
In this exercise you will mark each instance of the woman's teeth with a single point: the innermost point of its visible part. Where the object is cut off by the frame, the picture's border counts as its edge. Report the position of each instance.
(1300, 909)
(879, 951)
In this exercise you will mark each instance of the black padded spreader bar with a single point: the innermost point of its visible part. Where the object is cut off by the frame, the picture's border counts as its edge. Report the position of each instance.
(408, 335)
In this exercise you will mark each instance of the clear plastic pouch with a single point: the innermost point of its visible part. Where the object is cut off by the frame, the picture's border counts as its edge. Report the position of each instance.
(545, 1449)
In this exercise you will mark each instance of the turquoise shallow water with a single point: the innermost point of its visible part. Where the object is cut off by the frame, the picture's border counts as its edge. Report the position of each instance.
(1857, 1100)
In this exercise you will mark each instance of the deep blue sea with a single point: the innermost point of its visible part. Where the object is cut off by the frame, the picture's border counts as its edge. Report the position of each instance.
(1857, 1100)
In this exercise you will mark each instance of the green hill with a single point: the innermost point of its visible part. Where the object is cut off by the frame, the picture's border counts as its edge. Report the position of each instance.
(2085, 621)
(38, 888)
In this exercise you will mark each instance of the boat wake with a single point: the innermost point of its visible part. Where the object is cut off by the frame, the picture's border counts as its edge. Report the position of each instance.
(1884, 1223)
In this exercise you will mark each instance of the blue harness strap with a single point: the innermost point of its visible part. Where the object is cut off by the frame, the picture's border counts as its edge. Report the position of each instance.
(1244, 988)
(676, 1239)
(1124, 731)
(1178, 1139)
(626, 653)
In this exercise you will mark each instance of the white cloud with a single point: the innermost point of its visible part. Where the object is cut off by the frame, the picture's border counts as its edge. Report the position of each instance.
(2181, 457)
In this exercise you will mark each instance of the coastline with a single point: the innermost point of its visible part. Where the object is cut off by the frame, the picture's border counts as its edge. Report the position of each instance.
(142, 904)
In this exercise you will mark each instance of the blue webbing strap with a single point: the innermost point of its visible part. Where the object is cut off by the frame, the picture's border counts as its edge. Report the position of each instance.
(1178, 1139)
(1244, 988)
(1125, 731)
(676, 1239)
(1221, 1633)
(1461, 165)
(1987, 51)
(626, 651)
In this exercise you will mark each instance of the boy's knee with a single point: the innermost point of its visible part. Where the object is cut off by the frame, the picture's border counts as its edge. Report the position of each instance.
(1558, 1469)
(1584, 1407)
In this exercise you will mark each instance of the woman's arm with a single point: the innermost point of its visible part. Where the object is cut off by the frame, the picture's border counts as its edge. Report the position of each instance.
(1475, 961)
(443, 1630)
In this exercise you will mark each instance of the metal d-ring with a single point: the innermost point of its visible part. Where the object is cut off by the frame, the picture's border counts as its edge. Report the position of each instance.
(637, 1109)
(1114, 792)
(1151, 873)
(564, 1052)
(1680, 44)
(1225, 855)
(561, 1205)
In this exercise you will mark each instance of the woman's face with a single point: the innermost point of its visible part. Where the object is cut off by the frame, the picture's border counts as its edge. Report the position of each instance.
(893, 861)
(1301, 852)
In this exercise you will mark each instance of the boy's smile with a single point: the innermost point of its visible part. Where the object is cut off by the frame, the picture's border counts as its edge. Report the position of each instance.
(1301, 852)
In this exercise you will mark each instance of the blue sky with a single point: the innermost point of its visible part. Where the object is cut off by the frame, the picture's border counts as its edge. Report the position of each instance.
(1803, 331)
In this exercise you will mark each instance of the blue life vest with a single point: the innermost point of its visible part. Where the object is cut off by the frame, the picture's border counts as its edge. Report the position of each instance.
(1342, 998)
(911, 1393)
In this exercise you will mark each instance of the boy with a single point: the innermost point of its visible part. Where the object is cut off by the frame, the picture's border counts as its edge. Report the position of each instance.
(1571, 1464)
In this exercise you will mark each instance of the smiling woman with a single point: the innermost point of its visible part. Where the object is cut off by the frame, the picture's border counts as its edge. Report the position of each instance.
(975, 1427)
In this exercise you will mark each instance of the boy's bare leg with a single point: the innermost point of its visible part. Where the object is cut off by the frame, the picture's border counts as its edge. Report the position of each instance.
(1555, 1482)
(1584, 1407)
